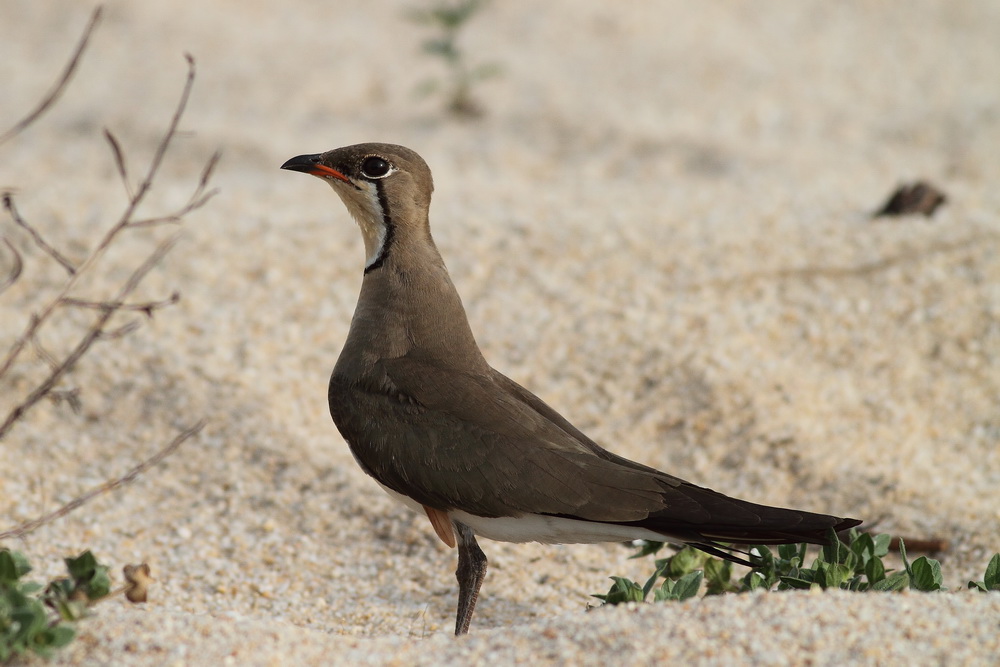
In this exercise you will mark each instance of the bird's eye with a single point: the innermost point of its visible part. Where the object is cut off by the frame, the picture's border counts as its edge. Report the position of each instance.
(375, 167)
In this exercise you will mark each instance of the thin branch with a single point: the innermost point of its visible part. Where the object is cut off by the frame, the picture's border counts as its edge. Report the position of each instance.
(44, 354)
(30, 526)
(198, 198)
(119, 161)
(94, 332)
(120, 332)
(177, 215)
(110, 235)
(15, 271)
(206, 173)
(8, 204)
(161, 148)
(60, 85)
(70, 396)
(148, 307)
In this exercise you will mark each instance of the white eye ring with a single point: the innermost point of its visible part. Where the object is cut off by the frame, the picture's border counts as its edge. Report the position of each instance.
(374, 166)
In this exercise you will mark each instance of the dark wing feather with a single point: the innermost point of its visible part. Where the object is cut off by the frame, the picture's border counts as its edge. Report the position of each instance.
(482, 443)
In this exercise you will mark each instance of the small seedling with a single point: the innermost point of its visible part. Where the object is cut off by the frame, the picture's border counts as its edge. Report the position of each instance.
(991, 581)
(26, 626)
(448, 19)
(854, 566)
(40, 618)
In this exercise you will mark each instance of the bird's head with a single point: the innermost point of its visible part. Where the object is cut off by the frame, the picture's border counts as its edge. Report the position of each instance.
(386, 188)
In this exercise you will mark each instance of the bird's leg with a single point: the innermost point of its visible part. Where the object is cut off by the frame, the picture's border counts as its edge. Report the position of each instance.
(470, 574)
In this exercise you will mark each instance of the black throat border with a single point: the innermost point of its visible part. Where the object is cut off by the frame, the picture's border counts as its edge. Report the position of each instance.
(390, 229)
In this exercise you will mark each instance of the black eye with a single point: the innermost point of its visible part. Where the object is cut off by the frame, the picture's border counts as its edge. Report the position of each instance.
(375, 167)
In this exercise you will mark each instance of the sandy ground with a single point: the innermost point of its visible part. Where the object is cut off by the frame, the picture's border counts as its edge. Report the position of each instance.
(661, 226)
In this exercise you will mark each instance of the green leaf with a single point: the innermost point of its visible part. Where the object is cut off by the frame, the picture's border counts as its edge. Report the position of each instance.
(875, 570)
(754, 580)
(991, 581)
(925, 574)
(839, 574)
(8, 569)
(648, 548)
(797, 583)
(834, 551)
(896, 581)
(882, 545)
(863, 547)
(623, 590)
(82, 567)
(684, 588)
(13, 566)
(787, 551)
(687, 586)
(718, 575)
(684, 561)
(60, 635)
(30, 587)
(89, 575)
(661, 565)
(992, 578)
(902, 553)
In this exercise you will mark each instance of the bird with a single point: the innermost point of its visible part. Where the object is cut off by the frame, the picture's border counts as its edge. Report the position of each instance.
(440, 430)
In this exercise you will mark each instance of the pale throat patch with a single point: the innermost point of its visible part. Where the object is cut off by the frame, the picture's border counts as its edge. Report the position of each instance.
(363, 205)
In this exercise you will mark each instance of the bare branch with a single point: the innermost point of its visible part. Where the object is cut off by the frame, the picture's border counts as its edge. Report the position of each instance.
(148, 307)
(43, 353)
(8, 203)
(176, 216)
(70, 396)
(60, 85)
(94, 332)
(206, 174)
(119, 161)
(161, 149)
(30, 526)
(123, 222)
(120, 332)
(15, 270)
(171, 219)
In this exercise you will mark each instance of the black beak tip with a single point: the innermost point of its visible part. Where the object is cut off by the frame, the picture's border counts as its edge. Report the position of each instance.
(303, 163)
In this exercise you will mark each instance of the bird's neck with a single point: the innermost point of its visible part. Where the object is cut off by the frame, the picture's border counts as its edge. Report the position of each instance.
(407, 303)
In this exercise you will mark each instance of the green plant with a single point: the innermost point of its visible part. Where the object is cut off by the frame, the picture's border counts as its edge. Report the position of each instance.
(991, 581)
(34, 617)
(39, 619)
(448, 19)
(855, 566)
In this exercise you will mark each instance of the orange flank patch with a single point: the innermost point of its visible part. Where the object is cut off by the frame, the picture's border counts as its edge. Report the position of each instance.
(442, 525)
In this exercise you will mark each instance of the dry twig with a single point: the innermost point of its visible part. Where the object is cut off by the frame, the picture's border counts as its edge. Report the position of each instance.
(60, 85)
(15, 269)
(94, 332)
(29, 526)
(8, 204)
(107, 308)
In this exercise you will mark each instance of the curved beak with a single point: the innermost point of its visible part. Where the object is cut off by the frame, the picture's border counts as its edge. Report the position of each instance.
(311, 164)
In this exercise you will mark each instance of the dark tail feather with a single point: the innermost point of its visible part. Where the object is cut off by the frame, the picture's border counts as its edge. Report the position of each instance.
(728, 552)
(722, 520)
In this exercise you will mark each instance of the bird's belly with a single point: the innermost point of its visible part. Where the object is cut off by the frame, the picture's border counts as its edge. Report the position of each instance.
(538, 527)
(551, 529)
